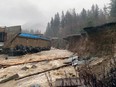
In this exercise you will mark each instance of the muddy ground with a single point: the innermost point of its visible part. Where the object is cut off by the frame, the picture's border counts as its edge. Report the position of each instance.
(33, 67)
(45, 60)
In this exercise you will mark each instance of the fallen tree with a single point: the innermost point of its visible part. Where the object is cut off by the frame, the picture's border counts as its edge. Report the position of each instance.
(43, 71)
(13, 63)
(10, 78)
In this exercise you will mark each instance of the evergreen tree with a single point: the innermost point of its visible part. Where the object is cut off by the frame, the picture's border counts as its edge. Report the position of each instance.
(113, 10)
(106, 13)
(48, 30)
(89, 18)
(56, 24)
(62, 20)
(83, 14)
(72, 23)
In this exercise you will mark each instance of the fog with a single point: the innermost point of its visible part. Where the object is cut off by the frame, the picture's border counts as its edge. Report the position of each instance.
(35, 14)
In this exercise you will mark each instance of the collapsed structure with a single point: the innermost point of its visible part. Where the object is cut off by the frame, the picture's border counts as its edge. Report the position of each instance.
(97, 45)
(96, 41)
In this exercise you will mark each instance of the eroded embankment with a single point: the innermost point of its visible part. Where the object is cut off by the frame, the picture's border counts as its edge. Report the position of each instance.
(97, 41)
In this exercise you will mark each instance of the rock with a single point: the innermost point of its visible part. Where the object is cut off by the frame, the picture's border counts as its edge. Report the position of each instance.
(34, 85)
(24, 68)
(33, 66)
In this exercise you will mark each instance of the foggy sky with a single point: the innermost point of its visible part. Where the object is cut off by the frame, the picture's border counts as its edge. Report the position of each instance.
(37, 13)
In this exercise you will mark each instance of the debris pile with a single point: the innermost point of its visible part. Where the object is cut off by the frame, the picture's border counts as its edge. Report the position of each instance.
(32, 69)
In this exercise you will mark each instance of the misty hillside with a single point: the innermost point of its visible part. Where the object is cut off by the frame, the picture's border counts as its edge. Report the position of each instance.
(33, 26)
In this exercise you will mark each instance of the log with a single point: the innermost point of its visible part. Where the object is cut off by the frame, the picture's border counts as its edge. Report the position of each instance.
(13, 77)
(43, 71)
(5, 65)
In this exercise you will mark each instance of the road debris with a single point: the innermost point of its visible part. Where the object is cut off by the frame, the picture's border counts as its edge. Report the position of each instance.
(13, 77)
(31, 68)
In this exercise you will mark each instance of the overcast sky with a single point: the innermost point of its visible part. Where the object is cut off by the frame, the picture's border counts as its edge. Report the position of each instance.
(39, 12)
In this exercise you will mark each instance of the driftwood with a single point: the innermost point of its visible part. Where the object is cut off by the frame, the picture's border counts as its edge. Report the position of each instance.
(43, 71)
(5, 65)
(49, 82)
(9, 78)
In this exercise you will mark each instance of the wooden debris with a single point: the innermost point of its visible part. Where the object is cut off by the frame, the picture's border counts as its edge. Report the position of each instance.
(43, 71)
(13, 63)
(68, 82)
(33, 66)
(48, 80)
(24, 68)
(10, 78)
